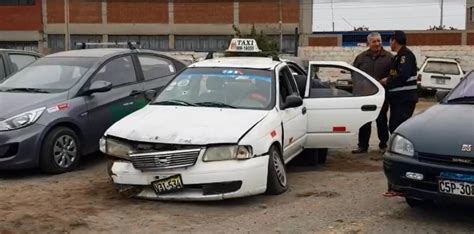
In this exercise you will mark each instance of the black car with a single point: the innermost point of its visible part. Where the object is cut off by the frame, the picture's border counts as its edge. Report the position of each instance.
(56, 109)
(431, 156)
(13, 60)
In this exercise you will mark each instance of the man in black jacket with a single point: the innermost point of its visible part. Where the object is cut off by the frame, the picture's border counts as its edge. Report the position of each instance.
(376, 62)
(401, 83)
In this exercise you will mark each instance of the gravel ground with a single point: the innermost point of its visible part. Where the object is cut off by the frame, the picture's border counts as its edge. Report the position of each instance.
(343, 196)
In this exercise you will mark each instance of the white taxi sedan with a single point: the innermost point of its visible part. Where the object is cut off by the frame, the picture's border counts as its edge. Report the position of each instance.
(226, 127)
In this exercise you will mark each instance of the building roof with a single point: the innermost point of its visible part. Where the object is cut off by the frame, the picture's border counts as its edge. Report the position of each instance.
(89, 52)
(239, 62)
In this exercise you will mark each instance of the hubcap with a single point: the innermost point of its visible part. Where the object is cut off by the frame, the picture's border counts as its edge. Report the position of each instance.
(65, 151)
(279, 168)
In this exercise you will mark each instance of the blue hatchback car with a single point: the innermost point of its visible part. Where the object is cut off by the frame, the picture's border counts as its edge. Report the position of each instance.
(55, 110)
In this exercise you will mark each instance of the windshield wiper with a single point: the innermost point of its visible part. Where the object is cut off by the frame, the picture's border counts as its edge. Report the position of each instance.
(215, 104)
(465, 99)
(174, 102)
(26, 90)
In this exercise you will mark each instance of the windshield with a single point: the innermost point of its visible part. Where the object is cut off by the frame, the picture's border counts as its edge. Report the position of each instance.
(221, 87)
(445, 68)
(464, 92)
(48, 75)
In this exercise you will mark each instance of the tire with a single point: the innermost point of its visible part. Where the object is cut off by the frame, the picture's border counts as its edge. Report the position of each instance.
(60, 151)
(277, 182)
(413, 203)
(322, 156)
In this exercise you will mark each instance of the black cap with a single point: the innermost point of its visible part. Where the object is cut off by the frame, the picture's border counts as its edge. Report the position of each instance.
(400, 37)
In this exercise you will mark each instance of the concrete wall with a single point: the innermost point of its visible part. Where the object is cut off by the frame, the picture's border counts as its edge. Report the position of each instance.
(465, 53)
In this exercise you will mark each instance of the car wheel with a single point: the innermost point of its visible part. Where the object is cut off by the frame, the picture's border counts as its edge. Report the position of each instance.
(276, 179)
(412, 202)
(60, 152)
(322, 156)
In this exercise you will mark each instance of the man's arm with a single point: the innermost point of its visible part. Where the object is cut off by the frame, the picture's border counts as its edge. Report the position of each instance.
(404, 70)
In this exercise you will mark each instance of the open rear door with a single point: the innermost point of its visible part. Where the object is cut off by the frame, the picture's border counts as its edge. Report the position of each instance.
(339, 99)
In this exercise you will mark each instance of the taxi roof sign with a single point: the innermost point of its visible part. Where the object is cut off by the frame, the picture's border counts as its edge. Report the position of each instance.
(243, 45)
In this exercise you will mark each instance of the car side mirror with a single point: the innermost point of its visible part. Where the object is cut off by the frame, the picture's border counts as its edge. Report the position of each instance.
(441, 94)
(99, 86)
(292, 101)
(150, 95)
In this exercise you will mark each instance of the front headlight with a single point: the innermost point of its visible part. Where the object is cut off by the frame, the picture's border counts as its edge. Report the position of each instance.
(401, 145)
(221, 153)
(115, 148)
(21, 120)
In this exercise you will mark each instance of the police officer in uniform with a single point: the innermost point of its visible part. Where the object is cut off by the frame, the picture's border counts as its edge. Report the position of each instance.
(401, 83)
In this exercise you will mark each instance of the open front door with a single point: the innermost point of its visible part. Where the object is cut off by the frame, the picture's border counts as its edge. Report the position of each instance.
(339, 99)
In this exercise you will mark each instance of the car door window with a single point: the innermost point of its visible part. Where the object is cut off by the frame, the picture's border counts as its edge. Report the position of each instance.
(154, 67)
(335, 81)
(20, 61)
(2, 69)
(287, 88)
(119, 71)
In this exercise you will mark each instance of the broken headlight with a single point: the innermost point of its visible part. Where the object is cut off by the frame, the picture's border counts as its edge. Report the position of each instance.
(221, 153)
(115, 148)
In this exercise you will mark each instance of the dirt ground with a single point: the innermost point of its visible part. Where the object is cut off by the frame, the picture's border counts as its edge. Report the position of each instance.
(343, 196)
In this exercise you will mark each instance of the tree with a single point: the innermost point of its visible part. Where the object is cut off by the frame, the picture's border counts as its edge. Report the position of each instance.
(265, 43)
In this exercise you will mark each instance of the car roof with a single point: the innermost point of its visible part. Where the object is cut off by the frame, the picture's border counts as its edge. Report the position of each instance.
(453, 60)
(97, 53)
(239, 62)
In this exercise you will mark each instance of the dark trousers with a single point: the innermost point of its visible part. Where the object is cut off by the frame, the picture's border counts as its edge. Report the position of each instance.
(400, 112)
(382, 130)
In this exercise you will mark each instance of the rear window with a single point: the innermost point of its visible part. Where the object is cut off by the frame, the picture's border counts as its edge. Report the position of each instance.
(445, 68)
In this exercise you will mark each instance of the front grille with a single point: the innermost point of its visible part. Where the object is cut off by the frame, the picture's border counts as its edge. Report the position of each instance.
(446, 160)
(165, 160)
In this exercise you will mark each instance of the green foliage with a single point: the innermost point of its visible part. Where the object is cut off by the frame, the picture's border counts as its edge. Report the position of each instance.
(265, 43)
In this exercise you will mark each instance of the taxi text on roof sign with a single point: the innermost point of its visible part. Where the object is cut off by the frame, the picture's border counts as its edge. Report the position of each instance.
(243, 45)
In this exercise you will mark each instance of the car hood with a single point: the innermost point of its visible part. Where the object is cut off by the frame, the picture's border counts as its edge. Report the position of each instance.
(442, 129)
(186, 125)
(14, 103)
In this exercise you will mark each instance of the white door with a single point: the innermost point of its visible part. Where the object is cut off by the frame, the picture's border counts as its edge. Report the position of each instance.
(339, 99)
(293, 118)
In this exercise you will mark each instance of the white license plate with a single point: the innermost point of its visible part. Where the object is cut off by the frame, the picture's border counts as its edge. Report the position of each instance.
(167, 185)
(456, 188)
(441, 81)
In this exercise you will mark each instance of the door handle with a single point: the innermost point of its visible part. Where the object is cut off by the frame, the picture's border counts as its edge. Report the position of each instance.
(304, 111)
(135, 93)
(369, 108)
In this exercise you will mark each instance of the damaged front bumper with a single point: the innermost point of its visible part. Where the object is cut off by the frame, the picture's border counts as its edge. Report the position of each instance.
(203, 181)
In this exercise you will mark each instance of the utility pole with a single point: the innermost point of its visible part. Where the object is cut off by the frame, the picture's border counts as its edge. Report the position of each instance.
(67, 37)
(442, 12)
(332, 14)
(281, 28)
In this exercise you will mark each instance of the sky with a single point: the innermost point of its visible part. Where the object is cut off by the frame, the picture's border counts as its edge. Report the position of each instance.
(387, 14)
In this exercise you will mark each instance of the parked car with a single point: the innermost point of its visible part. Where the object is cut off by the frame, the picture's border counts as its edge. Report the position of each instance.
(55, 110)
(226, 127)
(13, 60)
(431, 156)
(440, 73)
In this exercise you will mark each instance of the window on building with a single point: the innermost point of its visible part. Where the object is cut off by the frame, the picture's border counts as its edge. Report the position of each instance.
(202, 43)
(17, 2)
(472, 13)
(146, 42)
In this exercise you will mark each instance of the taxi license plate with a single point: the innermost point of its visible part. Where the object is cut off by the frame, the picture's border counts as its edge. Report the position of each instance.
(456, 188)
(167, 185)
(441, 81)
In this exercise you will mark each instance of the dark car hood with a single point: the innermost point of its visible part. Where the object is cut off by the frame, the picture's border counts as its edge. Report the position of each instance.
(443, 129)
(15, 103)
